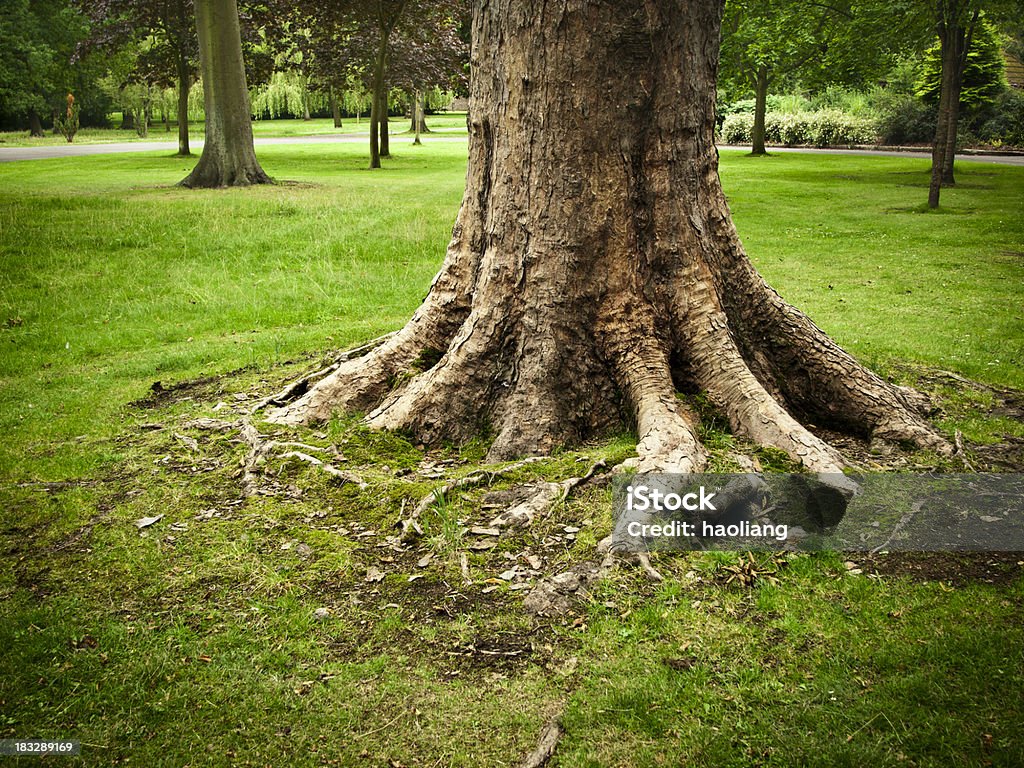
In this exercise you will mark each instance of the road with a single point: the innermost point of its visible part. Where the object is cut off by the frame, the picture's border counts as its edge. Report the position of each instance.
(9, 154)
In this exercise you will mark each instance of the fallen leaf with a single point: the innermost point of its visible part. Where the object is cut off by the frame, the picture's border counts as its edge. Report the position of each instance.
(145, 522)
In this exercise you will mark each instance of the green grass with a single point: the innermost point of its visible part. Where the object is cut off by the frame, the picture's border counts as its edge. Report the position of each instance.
(196, 641)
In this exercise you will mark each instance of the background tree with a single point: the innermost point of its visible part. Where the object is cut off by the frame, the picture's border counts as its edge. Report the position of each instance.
(384, 43)
(767, 41)
(594, 270)
(984, 76)
(956, 22)
(38, 39)
(430, 53)
(163, 32)
(229, 158)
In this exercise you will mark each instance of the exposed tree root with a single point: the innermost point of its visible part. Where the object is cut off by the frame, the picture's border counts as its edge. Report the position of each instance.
(261, 449)
(330, 469)
(537, 504)
(472, 480)
(550, 735)
(301, 385)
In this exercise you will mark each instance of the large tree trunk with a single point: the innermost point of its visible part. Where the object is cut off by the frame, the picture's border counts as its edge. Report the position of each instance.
(127, 120)
(228, 158)
(594, 270)
(760, 111)
(184, 85)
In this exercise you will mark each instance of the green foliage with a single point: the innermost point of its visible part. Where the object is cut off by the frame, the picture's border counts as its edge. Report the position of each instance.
(984, 76)
(1005, 122)
(284, 94)
(37, 41)
(905, 119)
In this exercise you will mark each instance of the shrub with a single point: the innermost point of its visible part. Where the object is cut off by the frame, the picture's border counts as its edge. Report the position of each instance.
(905, 119)
(1005, 126)
(737, 127)
(67, 123)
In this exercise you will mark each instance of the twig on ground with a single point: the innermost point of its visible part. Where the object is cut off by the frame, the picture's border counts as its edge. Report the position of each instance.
(550, 735)
(899, 526)
(333, 471)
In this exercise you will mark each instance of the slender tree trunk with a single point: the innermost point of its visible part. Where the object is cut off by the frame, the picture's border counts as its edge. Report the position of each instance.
(385, 133)
(228, 158)
(594, 269)
(952, 131)
(376, 101)
(949, 156)
(335, 108)
(950, 37)
(127, 120)
(305, 107)
(35, 125)
(760, 111)
(417, 116)
(184, 86)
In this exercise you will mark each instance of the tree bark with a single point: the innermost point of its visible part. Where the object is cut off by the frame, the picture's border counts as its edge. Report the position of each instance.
(335, 108)
(760, 111)
(418, 122)
(127, 120)
(376, 100)
(417, 117)
(954, 45)
(35, 125)
(385, 134)
(184, 86)
(594, 270)
(229, 158)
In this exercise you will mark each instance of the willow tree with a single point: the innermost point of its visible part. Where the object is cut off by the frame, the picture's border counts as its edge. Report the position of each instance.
(594, 271)
(229, 158)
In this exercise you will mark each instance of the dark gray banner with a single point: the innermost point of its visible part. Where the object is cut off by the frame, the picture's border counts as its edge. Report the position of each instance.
(858, 513)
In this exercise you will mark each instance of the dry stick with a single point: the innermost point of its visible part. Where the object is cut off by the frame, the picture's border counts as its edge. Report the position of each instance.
(302, 383)
(546, 745)
(899, 526)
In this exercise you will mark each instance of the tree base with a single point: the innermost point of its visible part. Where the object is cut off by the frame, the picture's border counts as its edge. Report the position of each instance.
(594, 271)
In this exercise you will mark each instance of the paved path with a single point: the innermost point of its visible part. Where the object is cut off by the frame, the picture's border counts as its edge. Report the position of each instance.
(925, 154)
(8, 154)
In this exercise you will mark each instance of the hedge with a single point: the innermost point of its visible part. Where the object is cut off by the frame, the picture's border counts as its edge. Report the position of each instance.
(820, 129)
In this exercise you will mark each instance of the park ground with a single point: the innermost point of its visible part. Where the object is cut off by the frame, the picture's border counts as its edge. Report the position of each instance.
(281, 629)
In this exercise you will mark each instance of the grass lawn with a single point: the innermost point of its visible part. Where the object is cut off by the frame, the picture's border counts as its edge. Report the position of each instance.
(197, 642)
